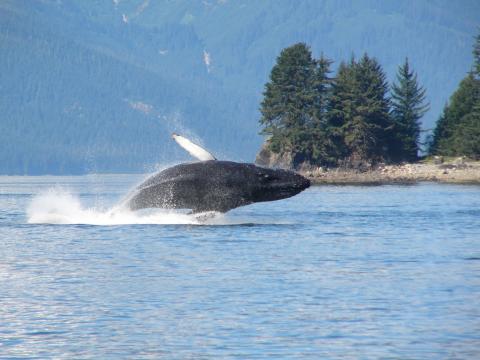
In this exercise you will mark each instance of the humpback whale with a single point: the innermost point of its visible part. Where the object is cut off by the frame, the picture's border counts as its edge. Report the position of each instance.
(214, 185)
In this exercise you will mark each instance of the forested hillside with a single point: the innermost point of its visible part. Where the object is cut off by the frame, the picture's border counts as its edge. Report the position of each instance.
(99, 86)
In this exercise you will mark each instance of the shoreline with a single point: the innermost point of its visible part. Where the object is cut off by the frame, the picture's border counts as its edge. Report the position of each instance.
(459, 171)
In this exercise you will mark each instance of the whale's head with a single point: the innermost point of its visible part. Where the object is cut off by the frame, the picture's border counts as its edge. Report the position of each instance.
(277, 184)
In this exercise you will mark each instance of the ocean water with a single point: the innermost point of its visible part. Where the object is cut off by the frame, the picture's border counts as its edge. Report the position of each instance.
(337, 272)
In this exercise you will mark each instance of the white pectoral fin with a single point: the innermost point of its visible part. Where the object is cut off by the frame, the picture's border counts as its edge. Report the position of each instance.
(193, 149)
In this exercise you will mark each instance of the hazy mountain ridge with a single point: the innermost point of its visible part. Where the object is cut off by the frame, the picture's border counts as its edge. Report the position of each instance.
(73, 71)
(67, 105)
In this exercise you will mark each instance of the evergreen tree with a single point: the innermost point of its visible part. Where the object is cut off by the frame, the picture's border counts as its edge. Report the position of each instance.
(341, 107)
(476, 56)
(319, 149)
(288, 103)
(293, 108)
(458, 129)
(374, 108)
(359, 111)
(466, 138)
(448, 132)
(408, 107)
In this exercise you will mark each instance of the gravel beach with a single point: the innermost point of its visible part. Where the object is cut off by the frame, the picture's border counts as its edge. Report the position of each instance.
(455, 171)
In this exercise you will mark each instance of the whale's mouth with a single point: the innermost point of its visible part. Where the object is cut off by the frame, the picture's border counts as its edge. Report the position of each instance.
(290, 191)
(303, 183)
(293, 188)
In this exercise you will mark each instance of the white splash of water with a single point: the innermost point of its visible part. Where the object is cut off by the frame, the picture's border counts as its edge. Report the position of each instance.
(58, 206)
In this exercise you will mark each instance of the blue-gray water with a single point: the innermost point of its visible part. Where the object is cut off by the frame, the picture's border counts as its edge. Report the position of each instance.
(336, 272)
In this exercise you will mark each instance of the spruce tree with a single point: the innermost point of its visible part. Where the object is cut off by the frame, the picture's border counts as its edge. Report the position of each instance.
(341, 108)
(466, 137)
(448, 131)
(359, 111)
(294, 105)
(408, 107)
(374, 108)
(289, 102)
(476, 56)
(319, 148)
(458, 129)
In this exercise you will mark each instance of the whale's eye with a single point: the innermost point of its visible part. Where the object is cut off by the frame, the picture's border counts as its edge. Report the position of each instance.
(266, 178)
(263, 177)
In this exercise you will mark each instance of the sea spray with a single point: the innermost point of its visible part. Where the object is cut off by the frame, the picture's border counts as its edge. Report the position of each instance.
(59, 206)
(55, 205)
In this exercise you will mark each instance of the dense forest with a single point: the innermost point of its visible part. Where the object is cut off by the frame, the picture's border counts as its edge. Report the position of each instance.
(100, 86)
(346, 120)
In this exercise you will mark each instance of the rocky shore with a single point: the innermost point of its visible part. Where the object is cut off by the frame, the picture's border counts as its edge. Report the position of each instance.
(460, 172)
(438, 169)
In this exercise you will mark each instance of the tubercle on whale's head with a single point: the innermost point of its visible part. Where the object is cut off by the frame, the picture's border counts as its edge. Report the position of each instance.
(276, 184)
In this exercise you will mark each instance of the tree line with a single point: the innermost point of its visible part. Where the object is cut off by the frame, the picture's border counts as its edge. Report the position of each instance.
(355, 119)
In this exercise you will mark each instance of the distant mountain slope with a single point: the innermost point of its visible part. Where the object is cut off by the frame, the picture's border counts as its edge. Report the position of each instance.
(99, 86)
(70, 103)
(244, 37)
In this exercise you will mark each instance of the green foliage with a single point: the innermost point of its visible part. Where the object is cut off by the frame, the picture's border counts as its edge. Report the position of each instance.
(342, 106)
(476, 56)
(359, 121)
(323, 121)
(466, 138)
(368, 131)
(458, 129)
(351, 121)
(408, 107)
(288, 101)
(455, 119)
(294, 105)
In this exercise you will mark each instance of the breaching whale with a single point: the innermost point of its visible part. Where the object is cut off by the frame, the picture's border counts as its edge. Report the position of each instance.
(214, 185)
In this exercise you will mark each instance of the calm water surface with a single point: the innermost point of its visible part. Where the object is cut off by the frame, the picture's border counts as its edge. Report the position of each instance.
(337, 272)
